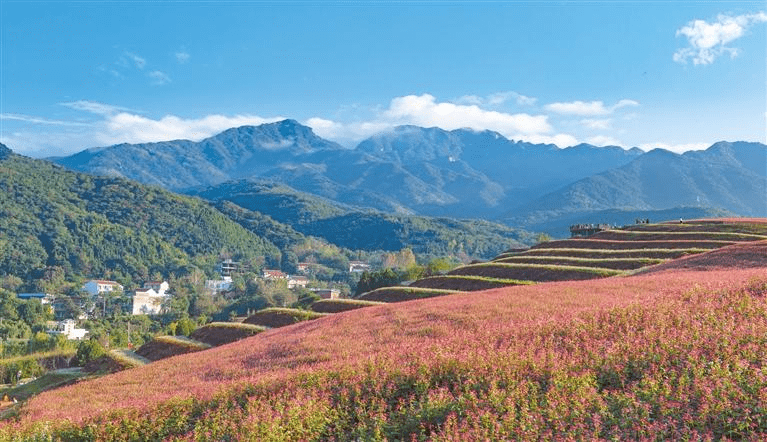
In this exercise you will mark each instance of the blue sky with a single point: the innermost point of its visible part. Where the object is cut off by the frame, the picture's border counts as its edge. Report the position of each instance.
(674, 74)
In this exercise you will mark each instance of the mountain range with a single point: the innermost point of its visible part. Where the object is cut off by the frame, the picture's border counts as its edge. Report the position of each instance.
(461, 173)
(58, 225)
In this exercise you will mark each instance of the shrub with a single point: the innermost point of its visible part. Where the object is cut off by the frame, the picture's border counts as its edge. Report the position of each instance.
(88, 351)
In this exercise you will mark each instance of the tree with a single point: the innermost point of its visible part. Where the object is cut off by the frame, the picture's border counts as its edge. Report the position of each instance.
(382, 278)
(8, 305)
(185, 326)
(33, 312)
(89, 350)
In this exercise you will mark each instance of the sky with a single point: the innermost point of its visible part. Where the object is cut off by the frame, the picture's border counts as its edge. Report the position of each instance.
(678, 75)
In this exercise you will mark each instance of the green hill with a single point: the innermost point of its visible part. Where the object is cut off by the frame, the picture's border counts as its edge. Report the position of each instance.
(57, 224)
(356, 228)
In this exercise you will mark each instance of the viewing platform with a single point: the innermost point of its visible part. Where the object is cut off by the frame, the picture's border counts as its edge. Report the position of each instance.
(584, 230)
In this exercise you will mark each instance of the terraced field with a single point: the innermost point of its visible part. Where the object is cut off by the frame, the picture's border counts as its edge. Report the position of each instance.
(163, 347)
(468, 283)
(341, 305)
(400, 294)
(605, 254)
(633, 249)
(606, 263)
(220, 333)
(281, 317)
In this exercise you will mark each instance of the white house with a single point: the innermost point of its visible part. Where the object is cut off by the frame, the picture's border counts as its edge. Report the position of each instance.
(68, 328)
(97, 286)
(358, 266)
(218, 285)
(158, 286)
(147, 302)
(297, 281)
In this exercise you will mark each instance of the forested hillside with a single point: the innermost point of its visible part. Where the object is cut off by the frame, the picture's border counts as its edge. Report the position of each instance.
(357, 228)
(55, 224)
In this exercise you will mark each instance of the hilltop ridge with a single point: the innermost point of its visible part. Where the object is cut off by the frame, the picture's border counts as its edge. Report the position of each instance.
(459, 173)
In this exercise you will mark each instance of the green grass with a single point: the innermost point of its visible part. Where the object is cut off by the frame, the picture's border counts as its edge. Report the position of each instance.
(40, 355)
(220, 333)
(341, 305)
(469, 283)
(401, 294)
(281, 316)
(235, 325)
(304, 315)
(128, 358)
(45, 382)
(183, 341)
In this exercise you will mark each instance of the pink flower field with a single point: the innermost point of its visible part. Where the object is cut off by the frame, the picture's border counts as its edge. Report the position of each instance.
(667, 355)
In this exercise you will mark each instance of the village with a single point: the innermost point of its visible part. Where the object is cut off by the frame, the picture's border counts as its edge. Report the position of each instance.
(101, 296)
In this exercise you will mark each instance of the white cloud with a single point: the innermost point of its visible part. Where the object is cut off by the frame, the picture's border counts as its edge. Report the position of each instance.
(132, 128)
(707, 41)
(159, 78)
(95, 107)
(603, 140)
(346, 133)
(588, 108)
(114, 126)
(561, 140)
(42, 143)
(678, 148)
(137, 60)
(39, 120)
(502, 97)
(182, 57)
(497, 99)
(596, 123)
(424, 110)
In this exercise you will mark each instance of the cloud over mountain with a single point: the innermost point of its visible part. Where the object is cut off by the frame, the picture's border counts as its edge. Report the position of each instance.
(467, 112)
(588, 108)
